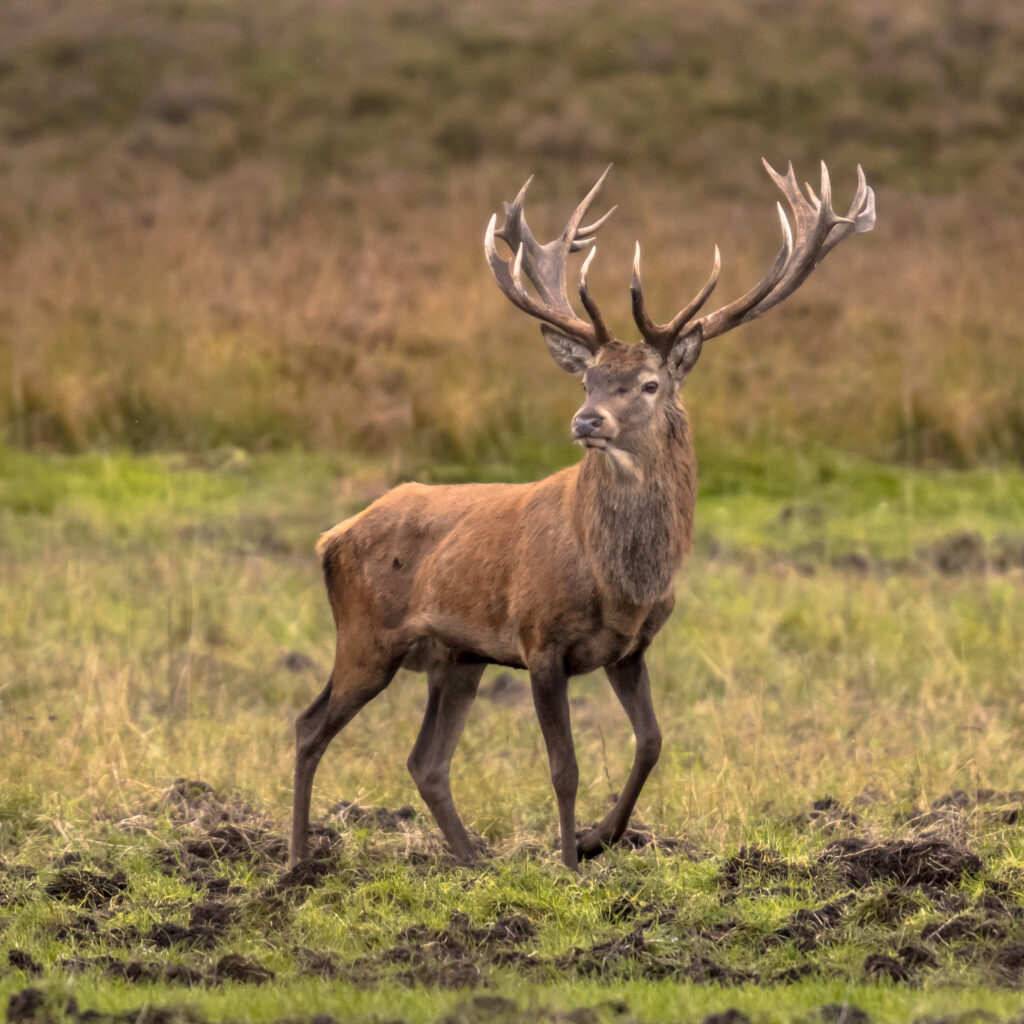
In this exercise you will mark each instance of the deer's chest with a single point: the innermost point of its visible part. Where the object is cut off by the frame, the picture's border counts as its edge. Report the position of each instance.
(620, 633)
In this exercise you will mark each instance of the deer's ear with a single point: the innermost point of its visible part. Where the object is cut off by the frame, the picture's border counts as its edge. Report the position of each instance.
(684, 354)
(570, 355)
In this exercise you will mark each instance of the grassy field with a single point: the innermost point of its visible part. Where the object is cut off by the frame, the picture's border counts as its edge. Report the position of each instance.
(836, 818)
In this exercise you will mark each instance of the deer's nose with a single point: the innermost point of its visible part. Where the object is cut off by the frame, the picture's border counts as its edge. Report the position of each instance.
(586, 423)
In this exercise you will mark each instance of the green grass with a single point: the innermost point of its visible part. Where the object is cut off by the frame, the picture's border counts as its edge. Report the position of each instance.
(163, 617)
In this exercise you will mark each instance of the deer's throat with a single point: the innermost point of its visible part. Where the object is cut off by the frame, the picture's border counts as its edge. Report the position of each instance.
(636, 521)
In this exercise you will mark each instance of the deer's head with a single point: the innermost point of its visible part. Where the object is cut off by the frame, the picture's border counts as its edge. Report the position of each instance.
(628, 385)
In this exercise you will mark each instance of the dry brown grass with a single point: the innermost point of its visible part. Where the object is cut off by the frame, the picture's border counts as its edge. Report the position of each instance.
(261, 226)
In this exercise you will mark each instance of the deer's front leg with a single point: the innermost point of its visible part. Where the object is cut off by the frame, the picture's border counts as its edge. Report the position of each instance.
(550, 687)
(633, 688)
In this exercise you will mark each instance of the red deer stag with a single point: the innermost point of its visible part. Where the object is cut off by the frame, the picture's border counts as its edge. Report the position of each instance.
(559, 577)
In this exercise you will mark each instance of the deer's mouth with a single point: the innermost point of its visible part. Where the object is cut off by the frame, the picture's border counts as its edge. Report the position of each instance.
(591, 441)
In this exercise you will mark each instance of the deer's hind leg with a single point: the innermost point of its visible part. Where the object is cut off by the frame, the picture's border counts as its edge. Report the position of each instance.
(352, 686)
(452, 689)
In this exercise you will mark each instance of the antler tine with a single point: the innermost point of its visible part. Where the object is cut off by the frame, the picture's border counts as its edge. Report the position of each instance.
(859, 217)
(544, 265)
(818, 229)
(585, 235)
(602, 332)
(663, 336)
(573, 231)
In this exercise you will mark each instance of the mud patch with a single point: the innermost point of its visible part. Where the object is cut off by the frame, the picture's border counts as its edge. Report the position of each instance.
(87, 888)
(930, 862)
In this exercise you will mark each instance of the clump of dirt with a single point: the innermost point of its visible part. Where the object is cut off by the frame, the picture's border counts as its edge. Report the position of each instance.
(1004, 806)
(760, 862)
(492, 1009)
(627, 908)
(453, 957)
(642, 837)
(1007, 553)
(239, 845)
(166, 934)
(505, 689)
(730, 1016)
(25, 1005)
(77, 927)
(86, 888)
(230, 967)
(964, 926)
(811, 927)
(139, 972)
(197, 803)
(635, 955)
(296, 661)
(926, 861)
(306, 875)
(705, 971)
(967, 552)
(214, 914)
(602, 957)
(197, 859)
(234, 967)
(885, 968)
(912, 956)
(78, 964)
(958, 553)
(888, 906)
(827, 815)
(320, 963)
(1008, 963)
(380, 818)
(22, 961)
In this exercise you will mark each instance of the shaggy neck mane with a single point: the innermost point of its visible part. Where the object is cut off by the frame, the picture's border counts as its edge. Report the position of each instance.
(635, 512)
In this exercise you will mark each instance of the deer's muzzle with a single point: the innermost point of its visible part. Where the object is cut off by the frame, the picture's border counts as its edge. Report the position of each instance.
(590, 426)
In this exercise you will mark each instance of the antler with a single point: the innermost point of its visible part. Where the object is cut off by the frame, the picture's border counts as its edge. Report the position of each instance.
(818, 230)
(545, 267)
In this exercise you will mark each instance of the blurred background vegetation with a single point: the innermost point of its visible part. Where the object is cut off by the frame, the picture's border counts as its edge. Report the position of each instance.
(260, 225)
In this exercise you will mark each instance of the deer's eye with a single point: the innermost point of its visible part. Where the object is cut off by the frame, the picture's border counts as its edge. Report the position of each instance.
(650, 387)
